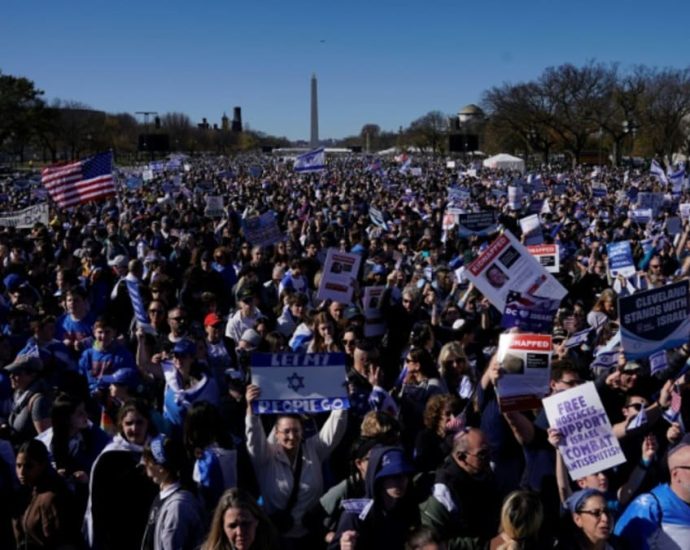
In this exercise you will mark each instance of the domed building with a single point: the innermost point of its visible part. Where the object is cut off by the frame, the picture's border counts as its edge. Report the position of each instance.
(470, 113)
(466, 130)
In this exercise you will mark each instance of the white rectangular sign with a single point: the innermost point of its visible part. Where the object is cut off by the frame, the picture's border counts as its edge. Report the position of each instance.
(339, 275)
(507, 265)
(589, 445)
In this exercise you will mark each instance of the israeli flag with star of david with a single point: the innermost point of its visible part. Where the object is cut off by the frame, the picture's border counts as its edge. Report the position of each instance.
(313, 161)
(299, 383)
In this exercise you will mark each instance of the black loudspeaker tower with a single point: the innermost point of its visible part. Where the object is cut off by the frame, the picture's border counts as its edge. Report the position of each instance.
(236, 119)
(267, 149)
(463, 143)
(159, 143)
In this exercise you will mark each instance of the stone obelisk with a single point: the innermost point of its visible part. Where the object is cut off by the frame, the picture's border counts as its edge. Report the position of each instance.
(314, 141)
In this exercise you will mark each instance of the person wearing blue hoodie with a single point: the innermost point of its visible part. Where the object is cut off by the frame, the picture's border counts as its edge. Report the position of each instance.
(105, 356)
(384, 517)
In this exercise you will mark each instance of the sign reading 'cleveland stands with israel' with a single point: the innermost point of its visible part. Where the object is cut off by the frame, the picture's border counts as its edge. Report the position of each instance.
(654, 320)
(297, 383)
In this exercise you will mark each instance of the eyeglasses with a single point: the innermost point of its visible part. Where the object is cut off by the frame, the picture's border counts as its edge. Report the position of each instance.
(348, 342)
(597, 513)
(481, 455)
(636, 406)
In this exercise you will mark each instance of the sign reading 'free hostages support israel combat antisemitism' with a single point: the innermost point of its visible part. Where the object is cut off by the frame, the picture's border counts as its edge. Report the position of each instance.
(299, 382)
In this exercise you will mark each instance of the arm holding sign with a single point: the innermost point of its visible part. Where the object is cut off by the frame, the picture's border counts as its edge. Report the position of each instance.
(257, 445)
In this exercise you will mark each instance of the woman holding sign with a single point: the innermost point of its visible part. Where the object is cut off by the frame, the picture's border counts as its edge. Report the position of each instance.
(289, 468)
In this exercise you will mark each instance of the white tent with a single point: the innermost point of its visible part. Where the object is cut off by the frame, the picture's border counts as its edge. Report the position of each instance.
(504, 161)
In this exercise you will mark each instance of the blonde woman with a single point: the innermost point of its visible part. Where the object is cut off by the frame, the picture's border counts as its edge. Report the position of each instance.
(522, 516)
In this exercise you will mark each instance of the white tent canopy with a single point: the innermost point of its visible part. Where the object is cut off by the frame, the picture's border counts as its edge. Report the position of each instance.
(504, 161)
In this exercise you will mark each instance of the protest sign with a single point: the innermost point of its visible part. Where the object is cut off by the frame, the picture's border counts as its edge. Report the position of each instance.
(588, 444)
(147, 175)
(653, 201)
(416, 171)
(674, 225)
(214, 206)
(515, 197)
(684, 210)
(531, 230)
(655, 319)
(375, 324)
(262, 230)
(598, 190)
(339, 275)
(25, 218)
(548, 256)
(507, 265)
(529, 313)
(450, 218)
(641, 215)
(457, 194)
(378, 218)
(526, 363)
(658, 361)
(297, 383)
(620, 259)
(477, 223)
(450, 164)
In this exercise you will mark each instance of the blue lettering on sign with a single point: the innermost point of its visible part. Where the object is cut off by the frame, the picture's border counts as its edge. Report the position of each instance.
(281, 406)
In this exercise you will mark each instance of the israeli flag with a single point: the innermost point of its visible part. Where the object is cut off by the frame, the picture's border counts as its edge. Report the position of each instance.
(137, 303)
(313, 161)
(658, 171)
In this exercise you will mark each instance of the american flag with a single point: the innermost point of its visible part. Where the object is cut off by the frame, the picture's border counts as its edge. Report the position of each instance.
(80, 182)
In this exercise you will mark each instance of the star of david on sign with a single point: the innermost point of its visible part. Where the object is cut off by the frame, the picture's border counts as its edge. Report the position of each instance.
(295, 381)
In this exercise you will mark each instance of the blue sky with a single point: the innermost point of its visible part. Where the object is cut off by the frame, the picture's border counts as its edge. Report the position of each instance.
(383, 62)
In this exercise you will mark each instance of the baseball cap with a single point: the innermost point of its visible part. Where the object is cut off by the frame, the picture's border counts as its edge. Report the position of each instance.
(29, 363)
(245, 293)
(122, 377)
(631, 366)
(13, 282)
(119, 261)
(351, 312)
(252, 337)
(212, 319)
(393, 463)
(184, 347)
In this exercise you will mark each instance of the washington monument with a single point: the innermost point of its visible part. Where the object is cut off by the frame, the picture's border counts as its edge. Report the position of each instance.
(314, 141)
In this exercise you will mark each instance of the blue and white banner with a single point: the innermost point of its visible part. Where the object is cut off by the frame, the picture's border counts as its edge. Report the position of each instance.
(137, 303)
(297, 383)
(656, 170)
(578, 338)
(313, 161)
(482, 224)
(378, 218)
(654, 320)
(620, 259)
(529, 313)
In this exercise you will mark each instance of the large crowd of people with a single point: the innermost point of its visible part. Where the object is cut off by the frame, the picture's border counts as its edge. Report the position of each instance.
(122, 435)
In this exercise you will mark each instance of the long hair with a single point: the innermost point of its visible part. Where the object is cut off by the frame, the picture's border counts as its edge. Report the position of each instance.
(266, 534)
(64, 407)
(522, 515)
(318, 344)
(140, 407)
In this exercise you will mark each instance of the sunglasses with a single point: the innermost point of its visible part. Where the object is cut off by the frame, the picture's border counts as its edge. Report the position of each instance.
(178, 319)
(350, 342)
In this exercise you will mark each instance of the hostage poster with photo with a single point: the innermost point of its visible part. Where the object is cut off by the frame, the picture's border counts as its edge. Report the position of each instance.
(526, 363)
(654, 320)
(507, 266)
(549, 256)
(375, 324)
(339, 276)
(589, 445)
